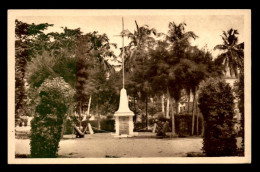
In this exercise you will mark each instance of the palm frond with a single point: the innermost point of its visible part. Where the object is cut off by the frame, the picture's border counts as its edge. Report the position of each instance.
(220, 47)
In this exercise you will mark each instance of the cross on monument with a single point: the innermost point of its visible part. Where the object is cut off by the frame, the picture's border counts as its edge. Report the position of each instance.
(123, 51)
(124, 125)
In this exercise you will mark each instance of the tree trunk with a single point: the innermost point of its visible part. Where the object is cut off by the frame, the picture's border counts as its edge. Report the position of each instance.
(202, 125)
(79, 114)
(193, 114)
(197, 114)
(134, 105)
(173, 119)
(135, 115)
(63, 127)
(98, 117)
(168, 106)
(146, 107)
(163, 105)
(89, 103)
(188, 92)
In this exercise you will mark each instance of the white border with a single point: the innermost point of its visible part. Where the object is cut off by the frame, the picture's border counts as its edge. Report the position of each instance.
(12, 14)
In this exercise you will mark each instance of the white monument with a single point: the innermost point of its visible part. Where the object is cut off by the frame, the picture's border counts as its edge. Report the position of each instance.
(124, 124)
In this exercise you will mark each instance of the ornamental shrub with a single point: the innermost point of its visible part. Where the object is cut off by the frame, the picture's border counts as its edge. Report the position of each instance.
(217, 106)
(107, 125)
(163, 124)
(239, 87)
(182, 124)
(53, 101)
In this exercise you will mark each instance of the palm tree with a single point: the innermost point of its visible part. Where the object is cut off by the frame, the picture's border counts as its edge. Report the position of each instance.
(136, 56)
(93, 51)
(140, 41)
(179, 41)
(233, 53)
(178, 37)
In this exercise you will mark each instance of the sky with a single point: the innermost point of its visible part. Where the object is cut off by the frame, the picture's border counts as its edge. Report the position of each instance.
(207, 26)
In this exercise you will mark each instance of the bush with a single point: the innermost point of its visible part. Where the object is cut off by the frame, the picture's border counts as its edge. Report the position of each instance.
(138, 126)
(68, 128)
(217, 106)
(105, 124)
(239, 88)
(163, 124)
(182, 124)
(54, 98)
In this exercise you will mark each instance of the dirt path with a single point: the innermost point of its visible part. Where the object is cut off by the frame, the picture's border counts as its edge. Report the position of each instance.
(105, 145)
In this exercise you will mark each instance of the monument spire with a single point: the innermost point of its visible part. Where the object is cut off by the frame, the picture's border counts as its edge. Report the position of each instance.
(123, 53)
(124, 125)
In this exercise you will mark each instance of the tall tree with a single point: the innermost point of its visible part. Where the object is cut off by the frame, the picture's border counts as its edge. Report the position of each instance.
(179, 42)
(92, 51)
(24, 47)
(136, 57)
(162, 74)
(233, 52)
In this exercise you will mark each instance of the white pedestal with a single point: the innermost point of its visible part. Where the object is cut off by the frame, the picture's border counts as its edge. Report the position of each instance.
(124, 124)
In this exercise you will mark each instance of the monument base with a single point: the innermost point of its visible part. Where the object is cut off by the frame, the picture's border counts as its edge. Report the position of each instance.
(124, 125)
(124, 135)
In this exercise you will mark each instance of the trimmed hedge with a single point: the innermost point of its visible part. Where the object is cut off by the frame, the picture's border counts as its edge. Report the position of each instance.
(183, 125)
(107, 125)
(53, 101)
(216, 102)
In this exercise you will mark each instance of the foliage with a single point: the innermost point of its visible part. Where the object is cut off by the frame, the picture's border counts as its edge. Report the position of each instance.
(106, 125)
(239, 87)
(140, 42)
(105, 95)
(24, 34)
(92, 52)
(167, 62)
(233, 55)
(54, 99)
(182, 124)
(136, 55)
(162, 125)
(73, 56)
(217, 106)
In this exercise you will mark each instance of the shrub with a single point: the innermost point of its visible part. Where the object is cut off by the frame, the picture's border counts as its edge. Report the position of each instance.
(138, 126)
(107, 125)
(54, 98)
(68, 127)
(163, 125)
(182, 124)
(217, 106)
(239, 88)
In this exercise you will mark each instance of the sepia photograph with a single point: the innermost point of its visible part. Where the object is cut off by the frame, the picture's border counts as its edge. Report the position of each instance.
(129, 86)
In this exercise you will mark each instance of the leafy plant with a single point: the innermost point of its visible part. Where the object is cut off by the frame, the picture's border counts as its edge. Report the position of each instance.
(54, 98)
(217, 106)
(239, 90)
(233, 52)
